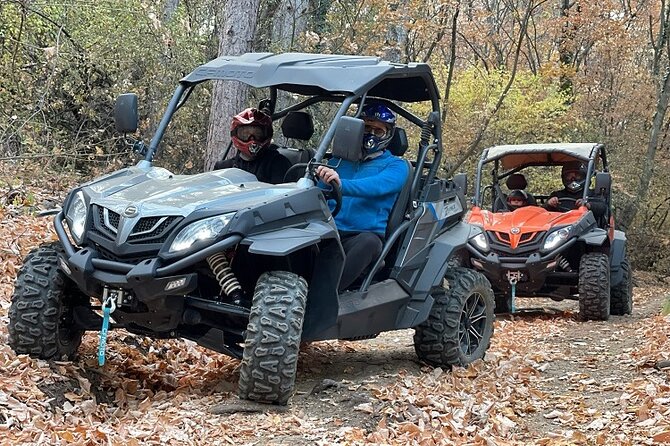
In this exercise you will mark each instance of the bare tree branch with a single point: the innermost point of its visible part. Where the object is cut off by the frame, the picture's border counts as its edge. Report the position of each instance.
(474, 144)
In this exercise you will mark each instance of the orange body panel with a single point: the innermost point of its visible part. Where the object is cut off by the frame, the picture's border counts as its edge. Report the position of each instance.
(523, 224)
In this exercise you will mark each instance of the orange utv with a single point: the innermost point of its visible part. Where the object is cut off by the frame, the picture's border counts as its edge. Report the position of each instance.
(530, 251)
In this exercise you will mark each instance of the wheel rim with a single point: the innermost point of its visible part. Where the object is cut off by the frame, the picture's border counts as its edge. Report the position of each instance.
(472, 324)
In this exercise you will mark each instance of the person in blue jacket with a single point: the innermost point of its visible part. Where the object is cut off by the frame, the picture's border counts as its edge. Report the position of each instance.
(369, 190)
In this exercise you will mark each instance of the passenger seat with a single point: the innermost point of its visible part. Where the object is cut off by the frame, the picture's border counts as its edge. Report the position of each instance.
(297, 125)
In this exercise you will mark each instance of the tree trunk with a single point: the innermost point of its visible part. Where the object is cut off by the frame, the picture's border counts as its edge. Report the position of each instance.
(630, 211)
(566, 53)
(289, 21)
(658, 44)
(236, 36)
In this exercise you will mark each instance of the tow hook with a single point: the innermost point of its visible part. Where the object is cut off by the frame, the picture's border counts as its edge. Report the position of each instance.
(513, 277)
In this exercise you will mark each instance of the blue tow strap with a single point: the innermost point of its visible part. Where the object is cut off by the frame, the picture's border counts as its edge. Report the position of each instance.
(513, 296)
(107, 308)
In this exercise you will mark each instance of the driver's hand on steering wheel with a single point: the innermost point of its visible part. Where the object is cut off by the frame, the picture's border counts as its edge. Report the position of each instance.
(328, 175)
(581, 202)
(553, 202)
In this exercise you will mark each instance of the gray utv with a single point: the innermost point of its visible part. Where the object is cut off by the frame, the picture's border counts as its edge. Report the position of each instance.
(251, 269)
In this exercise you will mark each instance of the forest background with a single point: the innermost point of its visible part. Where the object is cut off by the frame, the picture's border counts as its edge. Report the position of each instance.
(510, 71)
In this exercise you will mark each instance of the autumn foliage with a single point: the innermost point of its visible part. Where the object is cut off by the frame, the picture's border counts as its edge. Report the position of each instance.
(509, 72)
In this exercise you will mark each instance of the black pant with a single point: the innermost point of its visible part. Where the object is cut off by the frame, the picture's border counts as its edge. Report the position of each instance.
(361, 249)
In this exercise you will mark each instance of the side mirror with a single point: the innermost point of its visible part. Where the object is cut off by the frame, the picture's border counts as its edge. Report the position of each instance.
(461, 181)
(125, 113)
(603, 183)
(348, 138)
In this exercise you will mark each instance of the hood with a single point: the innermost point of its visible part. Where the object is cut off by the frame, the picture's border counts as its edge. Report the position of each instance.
(522, 224)
(156, 191)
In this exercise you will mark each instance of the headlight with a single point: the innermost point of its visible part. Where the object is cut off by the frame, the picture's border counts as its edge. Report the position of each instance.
(556, 238)
(76, 214)
(481, 242)
(206, 229)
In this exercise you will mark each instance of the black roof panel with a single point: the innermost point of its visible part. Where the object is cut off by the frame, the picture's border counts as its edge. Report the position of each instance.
(312, 74)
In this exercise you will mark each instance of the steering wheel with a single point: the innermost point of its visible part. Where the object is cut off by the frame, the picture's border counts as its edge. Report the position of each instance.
(294, 168)
(563, 207)
(335, 193)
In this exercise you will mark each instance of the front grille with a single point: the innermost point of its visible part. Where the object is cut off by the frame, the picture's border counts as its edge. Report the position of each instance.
(153, 229)
(527, 237)
(502, 236)
(146, 224)
(110, 221)
(105, 222)
(528, 242)
(149, 230)
(113, 218)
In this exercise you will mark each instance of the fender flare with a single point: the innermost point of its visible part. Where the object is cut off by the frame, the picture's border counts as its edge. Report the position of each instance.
(285, 241)
(443, 248)
(595, 237)
(432, 274)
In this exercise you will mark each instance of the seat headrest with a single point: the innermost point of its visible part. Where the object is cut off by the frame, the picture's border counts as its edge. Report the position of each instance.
(398, 145)
(516, 181)
(298, 125)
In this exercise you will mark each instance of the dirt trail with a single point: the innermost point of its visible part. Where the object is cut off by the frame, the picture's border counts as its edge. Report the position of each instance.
(548, 378)
(585, 376)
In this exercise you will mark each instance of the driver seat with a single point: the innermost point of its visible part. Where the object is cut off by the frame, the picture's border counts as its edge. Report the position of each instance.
(398, 146)
(399, 212)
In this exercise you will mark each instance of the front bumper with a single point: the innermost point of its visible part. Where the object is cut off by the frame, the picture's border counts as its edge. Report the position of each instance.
(535, 269)
(147, 280)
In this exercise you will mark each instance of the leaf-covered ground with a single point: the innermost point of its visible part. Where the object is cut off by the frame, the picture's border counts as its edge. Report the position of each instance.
(548, 379)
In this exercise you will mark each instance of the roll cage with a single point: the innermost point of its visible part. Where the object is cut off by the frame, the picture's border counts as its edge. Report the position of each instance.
(346, 80)
(510, 159)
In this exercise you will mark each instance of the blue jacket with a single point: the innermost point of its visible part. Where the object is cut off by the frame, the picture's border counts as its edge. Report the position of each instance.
(369, 190)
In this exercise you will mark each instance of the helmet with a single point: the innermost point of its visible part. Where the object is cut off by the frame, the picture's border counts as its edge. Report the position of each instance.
(251, 131)
(573, 175)
(374, 139)
(517, 199)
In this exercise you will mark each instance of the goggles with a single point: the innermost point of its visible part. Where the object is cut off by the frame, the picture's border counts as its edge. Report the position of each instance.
(246, 133)
(376, 130)
(574, 176)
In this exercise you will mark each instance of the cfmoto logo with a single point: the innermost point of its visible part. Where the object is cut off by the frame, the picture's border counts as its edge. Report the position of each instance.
(130, 211)
(514, 230)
